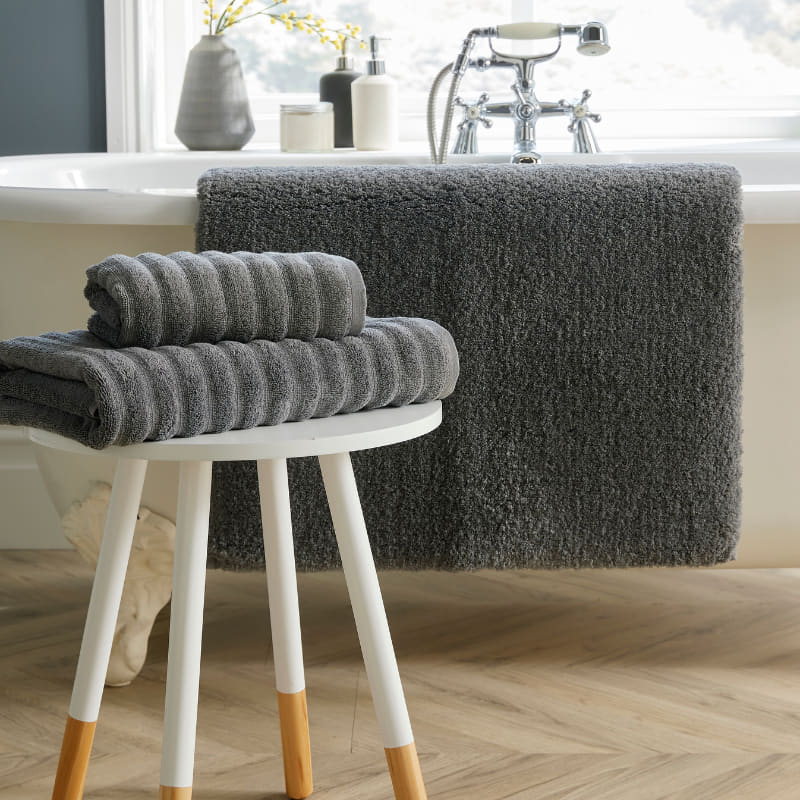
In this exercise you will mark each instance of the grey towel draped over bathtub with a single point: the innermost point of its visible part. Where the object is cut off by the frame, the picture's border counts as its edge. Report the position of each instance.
(597, 313)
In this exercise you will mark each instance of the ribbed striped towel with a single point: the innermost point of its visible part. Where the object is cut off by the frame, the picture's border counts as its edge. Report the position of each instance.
(153, 299)
(77, 385)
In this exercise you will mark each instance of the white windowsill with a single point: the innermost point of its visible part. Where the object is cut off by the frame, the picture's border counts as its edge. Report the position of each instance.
(562, 146)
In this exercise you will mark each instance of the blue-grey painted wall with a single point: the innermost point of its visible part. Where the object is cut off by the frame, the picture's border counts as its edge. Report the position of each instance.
(52, 77)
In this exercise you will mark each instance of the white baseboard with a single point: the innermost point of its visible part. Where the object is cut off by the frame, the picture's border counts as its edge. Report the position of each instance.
(29, 520)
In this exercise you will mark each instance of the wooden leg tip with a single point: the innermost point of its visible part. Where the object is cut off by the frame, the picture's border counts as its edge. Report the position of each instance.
(74, 760)
(174, 793)
(405, 773)
(295, 743)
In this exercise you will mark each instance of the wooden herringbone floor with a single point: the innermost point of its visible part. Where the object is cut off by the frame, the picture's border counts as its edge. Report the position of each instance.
(591, 685)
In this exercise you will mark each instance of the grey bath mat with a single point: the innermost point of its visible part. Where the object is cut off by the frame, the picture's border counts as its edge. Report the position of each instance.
(597, 313)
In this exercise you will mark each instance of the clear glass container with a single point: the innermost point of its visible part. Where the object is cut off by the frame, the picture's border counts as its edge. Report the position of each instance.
(307, 128)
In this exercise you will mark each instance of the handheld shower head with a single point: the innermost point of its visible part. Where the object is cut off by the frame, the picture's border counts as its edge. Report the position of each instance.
(593, 39)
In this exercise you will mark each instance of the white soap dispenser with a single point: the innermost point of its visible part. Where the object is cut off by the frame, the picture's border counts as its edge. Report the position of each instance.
(375, 108)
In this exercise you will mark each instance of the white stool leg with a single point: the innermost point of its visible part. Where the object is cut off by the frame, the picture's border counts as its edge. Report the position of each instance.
(373, 629)
(284, 615)
(186, 630)
(98, 633)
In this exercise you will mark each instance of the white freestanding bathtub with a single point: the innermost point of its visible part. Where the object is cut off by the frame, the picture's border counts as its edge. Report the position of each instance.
(60, 214)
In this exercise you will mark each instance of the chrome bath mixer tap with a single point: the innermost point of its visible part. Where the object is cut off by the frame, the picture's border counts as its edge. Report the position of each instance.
(525, 108)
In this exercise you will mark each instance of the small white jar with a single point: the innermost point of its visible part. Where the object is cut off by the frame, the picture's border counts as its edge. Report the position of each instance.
(307, 128)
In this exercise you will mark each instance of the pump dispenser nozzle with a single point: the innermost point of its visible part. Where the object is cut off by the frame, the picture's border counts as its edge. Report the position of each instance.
(345, 60)
(376, 64)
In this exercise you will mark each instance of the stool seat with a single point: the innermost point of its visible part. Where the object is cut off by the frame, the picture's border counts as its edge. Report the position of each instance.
(312, 437)
(331, 439)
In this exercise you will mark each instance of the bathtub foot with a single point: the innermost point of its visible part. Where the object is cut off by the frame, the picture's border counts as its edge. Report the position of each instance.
(148, 582)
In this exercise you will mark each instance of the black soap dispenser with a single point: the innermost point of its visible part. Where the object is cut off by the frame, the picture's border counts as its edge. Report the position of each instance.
(334, 87)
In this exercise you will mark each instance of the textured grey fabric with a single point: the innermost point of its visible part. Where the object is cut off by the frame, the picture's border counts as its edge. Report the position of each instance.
(77, 385)
(155, 299)
(597, 313)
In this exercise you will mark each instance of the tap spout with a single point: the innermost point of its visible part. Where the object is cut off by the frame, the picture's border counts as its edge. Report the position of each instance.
(525, 109)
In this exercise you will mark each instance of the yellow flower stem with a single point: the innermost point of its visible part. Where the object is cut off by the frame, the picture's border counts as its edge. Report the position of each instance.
(228, 16)
(265, 12)
(212, 17)
(210, 13)
(227, 19)
(262, 13)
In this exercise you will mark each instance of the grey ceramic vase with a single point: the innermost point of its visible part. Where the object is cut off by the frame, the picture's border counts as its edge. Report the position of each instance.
(214, 112)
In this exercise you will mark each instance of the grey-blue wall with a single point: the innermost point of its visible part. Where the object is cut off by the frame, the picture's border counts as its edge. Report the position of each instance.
(52, 77)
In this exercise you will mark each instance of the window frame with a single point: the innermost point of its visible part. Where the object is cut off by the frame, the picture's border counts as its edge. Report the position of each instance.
(147, 42)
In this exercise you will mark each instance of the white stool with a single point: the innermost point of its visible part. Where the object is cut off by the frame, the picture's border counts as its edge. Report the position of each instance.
(331, 439)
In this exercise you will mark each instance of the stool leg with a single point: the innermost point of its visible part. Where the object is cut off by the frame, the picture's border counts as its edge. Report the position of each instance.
(98, 633)
(185, 631)
(284, 616)
(373, 629)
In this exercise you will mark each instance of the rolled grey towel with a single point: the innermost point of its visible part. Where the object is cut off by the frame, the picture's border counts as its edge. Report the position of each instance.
(77, 385)
(154, 299)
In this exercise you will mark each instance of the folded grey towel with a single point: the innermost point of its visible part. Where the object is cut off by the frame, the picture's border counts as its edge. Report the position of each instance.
(154, 299)
(78, 386)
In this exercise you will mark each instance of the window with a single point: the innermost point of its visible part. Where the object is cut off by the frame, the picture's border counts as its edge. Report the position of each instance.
(687, 68)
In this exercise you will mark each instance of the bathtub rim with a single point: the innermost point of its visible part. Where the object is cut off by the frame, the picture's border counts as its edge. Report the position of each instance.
(763, 202)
